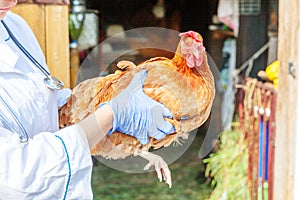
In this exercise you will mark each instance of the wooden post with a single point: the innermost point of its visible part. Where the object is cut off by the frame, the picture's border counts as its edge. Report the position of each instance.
(287, 117)
(74, 66)
(57, 41)
(49, 23)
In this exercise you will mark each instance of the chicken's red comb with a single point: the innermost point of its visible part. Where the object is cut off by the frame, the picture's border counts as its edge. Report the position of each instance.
(191, 34)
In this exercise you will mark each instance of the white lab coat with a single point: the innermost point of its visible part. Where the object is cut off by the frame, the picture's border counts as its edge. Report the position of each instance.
(54, 164)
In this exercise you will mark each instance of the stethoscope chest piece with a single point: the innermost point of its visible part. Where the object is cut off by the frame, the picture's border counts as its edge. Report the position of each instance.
(53, 83)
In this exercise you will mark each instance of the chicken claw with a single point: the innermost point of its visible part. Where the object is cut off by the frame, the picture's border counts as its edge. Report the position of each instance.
(161, 167)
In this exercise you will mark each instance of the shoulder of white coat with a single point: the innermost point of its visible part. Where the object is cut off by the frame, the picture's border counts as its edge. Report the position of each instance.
(24, 33)
(19, 26)
(16, 20)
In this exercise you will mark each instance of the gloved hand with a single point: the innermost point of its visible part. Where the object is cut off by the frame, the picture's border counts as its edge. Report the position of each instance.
(138, 115)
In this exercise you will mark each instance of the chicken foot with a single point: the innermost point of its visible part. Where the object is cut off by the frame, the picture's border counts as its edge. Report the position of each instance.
(161, 167)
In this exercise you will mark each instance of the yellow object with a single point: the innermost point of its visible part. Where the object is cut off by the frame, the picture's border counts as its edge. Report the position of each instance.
(275, 82)
(272, 72)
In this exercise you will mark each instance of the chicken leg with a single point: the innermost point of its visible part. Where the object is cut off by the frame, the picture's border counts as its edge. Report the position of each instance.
(161, 167)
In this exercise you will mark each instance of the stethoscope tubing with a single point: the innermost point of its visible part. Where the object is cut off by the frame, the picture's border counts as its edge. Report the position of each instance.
(50, 81)
(22, 48)
(24, 136)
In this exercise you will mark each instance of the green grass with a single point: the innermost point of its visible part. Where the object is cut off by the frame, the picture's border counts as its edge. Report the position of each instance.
(110, 184)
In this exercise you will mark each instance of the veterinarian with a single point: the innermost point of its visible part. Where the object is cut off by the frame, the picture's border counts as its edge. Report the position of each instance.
(39, 161)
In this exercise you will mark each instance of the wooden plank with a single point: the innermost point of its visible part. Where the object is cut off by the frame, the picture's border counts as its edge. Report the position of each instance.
(286, 115)
(57, 41)
(35, 21)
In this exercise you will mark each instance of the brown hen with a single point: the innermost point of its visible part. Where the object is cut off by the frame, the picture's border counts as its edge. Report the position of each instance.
(184, 84)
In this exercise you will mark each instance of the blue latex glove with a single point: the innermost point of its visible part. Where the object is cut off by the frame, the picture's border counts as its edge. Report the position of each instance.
(138, 115)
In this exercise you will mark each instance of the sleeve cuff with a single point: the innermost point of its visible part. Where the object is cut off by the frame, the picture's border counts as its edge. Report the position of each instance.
(114, 125)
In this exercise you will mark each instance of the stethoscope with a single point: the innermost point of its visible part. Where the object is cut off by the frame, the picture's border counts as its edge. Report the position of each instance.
(50, 81)
(23, 134)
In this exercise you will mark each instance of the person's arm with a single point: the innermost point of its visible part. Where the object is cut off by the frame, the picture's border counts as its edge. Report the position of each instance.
(50, 166)
(97, 125)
